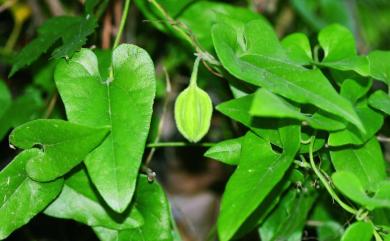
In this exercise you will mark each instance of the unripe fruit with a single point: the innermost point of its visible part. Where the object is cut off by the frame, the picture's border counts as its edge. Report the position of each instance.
(193, 110)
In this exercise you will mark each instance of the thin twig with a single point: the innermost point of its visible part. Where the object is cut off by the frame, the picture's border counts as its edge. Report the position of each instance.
(383, 138)
(51, 105)
(122, 24)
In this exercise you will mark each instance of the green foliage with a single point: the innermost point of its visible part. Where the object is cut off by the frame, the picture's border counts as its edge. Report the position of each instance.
(72, 31)
(111, 102)
(308, 112)
(21, 197)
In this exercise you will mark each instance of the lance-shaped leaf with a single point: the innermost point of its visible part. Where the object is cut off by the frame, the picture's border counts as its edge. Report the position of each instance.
(259, 170)
(365, 161)
(339, 48)
(64, 145)
(227, 151)
(267, 65)
(80, 201)
(123, 102)
(21, 198)
(380, 101)
(267, 104)
(288, 219)
(150, 200)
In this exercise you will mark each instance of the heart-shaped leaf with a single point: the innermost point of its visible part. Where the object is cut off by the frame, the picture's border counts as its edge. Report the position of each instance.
(124, 102)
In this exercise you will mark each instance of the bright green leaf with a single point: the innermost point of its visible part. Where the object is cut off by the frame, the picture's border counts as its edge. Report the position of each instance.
(227, 151)
(255, 63)
(267, 104)
(64, 144)
(365, 161)
(80, 201)
(372, 121)
(361, 231)
(150, 200)
(380, 101)
(353, 90)
(288, 219)
(123, 102)
(20, 197)
(338, 44)
(298, 49)
(379, 65)
(259, 170)
(349, 184)
(238, 110)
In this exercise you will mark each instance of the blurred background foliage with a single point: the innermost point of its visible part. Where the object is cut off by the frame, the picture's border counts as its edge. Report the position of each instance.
(193, 183)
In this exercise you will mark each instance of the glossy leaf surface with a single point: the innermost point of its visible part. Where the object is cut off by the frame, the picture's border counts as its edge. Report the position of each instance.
(64, 145)
(366, 162)
(21, 198)
(255, 64)
(228, 151)
(259, 170)
(361, 231)
(150, 200)
(123, 102)
(80, 201)
(380, 101)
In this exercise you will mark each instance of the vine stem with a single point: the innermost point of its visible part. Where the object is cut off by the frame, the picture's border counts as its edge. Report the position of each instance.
(122, 24)
(324, 182)
(178, 144)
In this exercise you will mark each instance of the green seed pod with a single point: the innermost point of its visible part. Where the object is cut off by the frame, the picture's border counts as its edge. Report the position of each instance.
(193, 109)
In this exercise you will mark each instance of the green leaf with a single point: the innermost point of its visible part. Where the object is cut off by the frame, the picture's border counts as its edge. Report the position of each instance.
(123, 102)
(150, 200)
(372, 121)
(25, 108)
(227, 151)
(80, 201)
(365, 161)
(380, 101)
(379, 65)
(209, 13)
(338, 44)
(73, 32)
(238, 110)
(288, 219)
(255, 63)
(64, 146)
(360, 230)
(259, 170)
(5, 98)
(20, 197)
(298, 49)
(349, 184)
(353, 90)
(267, 104)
